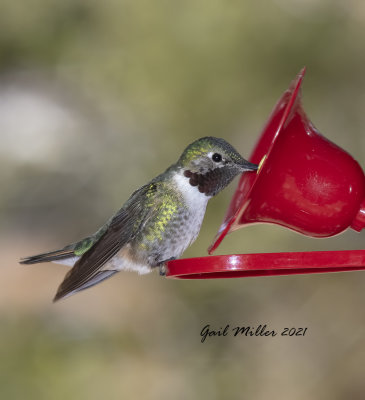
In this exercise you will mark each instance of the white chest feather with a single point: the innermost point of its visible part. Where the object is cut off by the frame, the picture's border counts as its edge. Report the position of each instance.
(196, 203)
(192, 196)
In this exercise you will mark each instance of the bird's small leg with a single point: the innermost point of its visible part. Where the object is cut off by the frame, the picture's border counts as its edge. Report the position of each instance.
(163, 267)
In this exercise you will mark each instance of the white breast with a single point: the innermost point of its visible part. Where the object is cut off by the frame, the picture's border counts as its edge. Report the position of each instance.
(191, 194)
(197, 204)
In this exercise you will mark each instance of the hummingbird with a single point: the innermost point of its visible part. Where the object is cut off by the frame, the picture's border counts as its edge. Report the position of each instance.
(156, 224)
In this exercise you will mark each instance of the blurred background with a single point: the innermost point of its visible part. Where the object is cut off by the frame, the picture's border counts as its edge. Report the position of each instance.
(96, 98)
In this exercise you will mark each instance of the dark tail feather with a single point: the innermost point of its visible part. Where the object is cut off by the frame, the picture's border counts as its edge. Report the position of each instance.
(50, 256)
(68, 286)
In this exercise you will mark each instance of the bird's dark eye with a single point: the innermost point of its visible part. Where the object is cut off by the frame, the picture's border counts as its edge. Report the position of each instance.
(216, 157)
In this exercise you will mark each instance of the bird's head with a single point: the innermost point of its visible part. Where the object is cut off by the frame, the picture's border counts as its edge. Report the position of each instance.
(211, 163)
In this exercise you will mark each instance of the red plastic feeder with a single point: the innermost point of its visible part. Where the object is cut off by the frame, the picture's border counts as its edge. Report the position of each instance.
(305, 183)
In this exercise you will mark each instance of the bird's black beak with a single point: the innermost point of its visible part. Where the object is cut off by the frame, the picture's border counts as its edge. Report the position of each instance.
(247, 166)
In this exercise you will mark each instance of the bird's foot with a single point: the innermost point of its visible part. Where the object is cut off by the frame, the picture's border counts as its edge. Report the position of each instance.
(163, 267)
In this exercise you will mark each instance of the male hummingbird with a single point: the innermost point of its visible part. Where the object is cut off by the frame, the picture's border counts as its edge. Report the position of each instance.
(156, 224)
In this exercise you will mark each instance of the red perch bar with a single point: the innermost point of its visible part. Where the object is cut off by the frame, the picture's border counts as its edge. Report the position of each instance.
(266, 264)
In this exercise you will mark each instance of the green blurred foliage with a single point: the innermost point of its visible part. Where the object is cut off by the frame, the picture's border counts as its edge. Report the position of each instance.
(96, 98)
